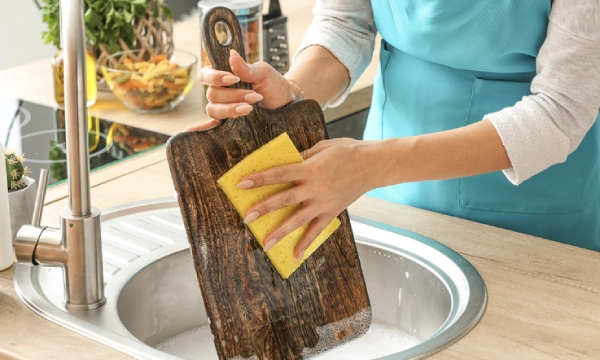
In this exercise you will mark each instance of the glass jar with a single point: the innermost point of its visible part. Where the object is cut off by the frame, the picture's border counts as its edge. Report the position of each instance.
(249, 15)
(58, 75)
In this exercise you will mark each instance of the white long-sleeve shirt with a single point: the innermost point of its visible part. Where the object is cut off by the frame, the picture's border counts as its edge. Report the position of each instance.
(540, 130)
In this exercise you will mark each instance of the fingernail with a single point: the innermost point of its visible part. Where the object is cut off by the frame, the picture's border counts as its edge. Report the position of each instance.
(230, 79)
(243, 109)
(204, 126)
(269, 244)
(233, 53)
(251, 217)
(246, 184)
(300, 255)
(253, 97)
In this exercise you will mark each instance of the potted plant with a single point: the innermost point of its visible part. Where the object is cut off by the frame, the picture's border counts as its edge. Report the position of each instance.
(111, 26)
(21, 191)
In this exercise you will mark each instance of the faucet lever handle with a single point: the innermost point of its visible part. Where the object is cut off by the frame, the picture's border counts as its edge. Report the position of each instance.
(39, 198)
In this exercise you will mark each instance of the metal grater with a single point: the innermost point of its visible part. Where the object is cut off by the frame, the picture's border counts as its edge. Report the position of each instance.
(275, 40)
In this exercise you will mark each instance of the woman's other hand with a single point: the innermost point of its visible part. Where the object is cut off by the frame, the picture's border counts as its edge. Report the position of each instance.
(269, 88)
(334, 174)
(315, 74)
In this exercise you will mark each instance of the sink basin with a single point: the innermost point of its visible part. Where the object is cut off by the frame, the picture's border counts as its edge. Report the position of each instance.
(424, 296)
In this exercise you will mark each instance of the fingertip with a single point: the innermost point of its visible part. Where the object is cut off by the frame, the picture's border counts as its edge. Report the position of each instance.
(245, 184)
(203, 126)
(240, 67)
(202, 72)
(243, 109)
(300, 249)
(233, 52)
(253, 97)
(251, 217)
(230, 79)
(269, 244)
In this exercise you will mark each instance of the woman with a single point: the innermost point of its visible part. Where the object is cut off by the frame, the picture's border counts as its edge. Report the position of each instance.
(482, 110)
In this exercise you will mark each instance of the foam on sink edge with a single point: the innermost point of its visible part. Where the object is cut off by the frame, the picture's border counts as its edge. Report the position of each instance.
(332, 335)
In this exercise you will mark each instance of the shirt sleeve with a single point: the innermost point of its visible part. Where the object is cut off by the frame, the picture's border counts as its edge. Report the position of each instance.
(347, 29)
(544, 128)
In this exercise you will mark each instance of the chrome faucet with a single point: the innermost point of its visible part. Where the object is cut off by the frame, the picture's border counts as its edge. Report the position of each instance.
(76, 246)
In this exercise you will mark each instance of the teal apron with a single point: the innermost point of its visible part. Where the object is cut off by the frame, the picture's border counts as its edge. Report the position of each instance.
(446, 64)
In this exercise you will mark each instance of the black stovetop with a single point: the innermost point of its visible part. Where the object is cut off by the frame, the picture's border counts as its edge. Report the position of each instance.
(39, 132)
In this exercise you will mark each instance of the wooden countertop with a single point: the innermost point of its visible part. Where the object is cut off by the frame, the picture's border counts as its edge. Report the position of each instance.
(543, 296)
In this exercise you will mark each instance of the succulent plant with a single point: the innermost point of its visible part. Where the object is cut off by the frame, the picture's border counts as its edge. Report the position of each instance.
(15, 170)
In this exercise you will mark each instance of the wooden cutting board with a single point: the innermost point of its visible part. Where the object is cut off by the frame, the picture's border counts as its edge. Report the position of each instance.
(253, 312)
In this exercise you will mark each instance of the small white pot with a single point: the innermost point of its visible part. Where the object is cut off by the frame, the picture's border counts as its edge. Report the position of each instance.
(21, 203)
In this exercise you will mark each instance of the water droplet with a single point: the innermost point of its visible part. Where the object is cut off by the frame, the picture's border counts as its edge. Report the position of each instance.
(406, 274)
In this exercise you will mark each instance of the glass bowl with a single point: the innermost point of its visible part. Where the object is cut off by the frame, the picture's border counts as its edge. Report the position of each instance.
(150, 84)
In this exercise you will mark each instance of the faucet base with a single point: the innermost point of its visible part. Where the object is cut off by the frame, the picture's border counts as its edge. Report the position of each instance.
(84, 307)
(81, 239)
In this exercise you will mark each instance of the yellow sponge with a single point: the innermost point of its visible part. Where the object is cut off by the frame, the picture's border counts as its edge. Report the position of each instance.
(279, 151)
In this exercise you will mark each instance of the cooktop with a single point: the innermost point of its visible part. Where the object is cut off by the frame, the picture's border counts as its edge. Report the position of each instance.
(38, 131)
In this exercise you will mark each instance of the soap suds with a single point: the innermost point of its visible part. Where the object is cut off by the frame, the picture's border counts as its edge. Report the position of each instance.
(380, 340)
(334, 334)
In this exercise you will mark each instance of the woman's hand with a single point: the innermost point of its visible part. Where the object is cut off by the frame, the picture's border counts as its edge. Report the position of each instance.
(269, 88)
(334, 174)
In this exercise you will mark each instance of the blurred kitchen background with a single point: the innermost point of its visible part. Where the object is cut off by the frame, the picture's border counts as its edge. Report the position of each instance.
(38, 130)
(21, 30)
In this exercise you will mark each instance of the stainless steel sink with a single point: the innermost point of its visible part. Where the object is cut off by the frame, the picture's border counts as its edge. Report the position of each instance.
(424, 296)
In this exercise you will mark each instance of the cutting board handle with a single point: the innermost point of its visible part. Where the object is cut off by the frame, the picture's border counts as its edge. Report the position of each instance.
(222, 18)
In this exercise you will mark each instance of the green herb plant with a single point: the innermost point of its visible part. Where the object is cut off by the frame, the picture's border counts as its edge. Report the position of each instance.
(106, 21)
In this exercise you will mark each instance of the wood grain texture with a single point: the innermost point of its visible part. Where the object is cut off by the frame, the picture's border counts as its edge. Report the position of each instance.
(253, 311)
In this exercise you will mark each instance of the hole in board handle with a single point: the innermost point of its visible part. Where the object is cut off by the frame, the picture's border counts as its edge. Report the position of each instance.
(223, 33)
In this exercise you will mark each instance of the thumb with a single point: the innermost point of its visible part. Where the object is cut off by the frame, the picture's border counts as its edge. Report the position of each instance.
(241, 68)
